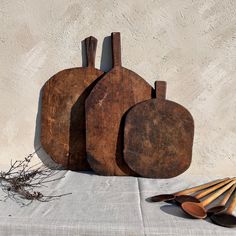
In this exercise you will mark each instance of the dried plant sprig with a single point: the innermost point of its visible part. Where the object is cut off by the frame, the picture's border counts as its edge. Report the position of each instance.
(21, 180)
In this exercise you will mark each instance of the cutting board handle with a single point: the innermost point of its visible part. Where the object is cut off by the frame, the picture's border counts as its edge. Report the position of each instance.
(116, 49)
(160, 87)
(91, 47)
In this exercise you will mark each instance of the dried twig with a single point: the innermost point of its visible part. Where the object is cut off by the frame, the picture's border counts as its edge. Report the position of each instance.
(21, 180)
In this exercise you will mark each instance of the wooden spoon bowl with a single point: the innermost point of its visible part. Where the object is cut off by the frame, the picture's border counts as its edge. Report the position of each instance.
(162, 198)
(194, 209)
(186, 198)
(215, 209)
(198, 210)
(224, 219)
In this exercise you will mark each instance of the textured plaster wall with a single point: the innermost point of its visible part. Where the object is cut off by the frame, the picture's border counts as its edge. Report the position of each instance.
(190, 44)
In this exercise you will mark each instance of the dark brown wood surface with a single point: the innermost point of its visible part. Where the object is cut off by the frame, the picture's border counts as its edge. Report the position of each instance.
(106, 107)
(158, 137)
(63, 112)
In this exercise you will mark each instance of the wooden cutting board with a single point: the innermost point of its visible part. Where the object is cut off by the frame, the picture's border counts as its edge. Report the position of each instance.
(158, 137)
(106, 107)
(63, 112)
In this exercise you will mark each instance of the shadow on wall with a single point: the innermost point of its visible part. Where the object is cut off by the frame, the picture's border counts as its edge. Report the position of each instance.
(106, 58)
(105, 65)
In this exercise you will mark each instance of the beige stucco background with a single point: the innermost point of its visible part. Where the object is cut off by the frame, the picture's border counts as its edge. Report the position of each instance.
(190, 44)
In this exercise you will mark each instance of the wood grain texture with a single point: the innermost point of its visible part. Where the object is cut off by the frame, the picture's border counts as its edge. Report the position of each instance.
(158, 137)
(63, 112)
(106, 107)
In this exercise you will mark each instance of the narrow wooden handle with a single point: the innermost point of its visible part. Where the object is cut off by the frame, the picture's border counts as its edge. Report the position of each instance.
(227, 196)
(232, 205)
(200, 187)
(217, 194)
(212, 189)
(116, 49)
(160, 87)
(91, 47)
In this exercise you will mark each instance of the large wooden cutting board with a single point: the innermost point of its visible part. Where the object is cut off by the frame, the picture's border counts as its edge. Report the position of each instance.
(63, 112)
(106, 107)
(158, 137)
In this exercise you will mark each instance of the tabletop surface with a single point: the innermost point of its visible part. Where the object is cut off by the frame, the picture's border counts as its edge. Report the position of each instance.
(106, 206)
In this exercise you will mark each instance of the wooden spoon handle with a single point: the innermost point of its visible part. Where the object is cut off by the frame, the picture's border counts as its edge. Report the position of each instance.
(200, 187)
(218, 193)
(91, 47)
(232, 205)
(116, 49)
(228, 195)
(160, 87)
(212, 189)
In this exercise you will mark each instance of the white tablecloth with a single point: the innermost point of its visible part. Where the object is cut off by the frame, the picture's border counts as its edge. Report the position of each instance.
(106, 206)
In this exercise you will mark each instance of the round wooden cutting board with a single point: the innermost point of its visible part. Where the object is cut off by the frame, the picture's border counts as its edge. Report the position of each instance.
(158, 137)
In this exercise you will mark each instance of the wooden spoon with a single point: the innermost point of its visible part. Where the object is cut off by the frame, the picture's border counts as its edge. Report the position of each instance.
(221, 206)
(183, 198)
(226, 219)
(197, 210)
(168, 197)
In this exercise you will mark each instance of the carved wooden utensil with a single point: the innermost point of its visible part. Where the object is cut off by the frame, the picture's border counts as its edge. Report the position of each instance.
(63, 112)
(198, 210)
(158, 137)
(226, 218)
(185, 192)
(196, 198)
(106, 106)
(222, 204)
